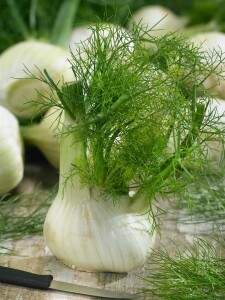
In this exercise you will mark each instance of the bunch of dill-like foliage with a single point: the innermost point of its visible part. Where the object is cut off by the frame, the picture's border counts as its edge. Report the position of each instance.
(136, 108)
(196, 273)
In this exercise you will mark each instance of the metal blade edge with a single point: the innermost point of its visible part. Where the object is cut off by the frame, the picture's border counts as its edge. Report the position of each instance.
(86, 290)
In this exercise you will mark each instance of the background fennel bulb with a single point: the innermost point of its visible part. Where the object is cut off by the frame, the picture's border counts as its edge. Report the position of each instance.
(78, 35)
(214, 148)
(11, 152)
(159, 19)
(211, 43)
(16, 88)
(44, 135)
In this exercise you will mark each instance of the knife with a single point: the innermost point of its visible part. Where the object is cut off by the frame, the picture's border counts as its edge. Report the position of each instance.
(45, 282)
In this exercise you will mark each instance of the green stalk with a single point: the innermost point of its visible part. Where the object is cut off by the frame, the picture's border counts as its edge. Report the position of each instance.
(64, 22)
(142, 201)
(72, 157)
(73, 144)
(72, 147)
(103, 115)
(170, 165)
(99, 162)
(73, 100)
(32, 16)
(67, 99)
(17, 16)
(62, 26)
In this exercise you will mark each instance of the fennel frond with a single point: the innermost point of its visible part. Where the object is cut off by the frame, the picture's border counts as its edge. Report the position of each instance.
(196, 272)
(129, 104)
(23, 215)
(207, 203)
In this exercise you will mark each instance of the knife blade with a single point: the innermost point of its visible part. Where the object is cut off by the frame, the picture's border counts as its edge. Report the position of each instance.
(45, 282)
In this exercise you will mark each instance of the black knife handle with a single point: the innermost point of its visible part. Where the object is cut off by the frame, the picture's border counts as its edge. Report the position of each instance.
(26, 279)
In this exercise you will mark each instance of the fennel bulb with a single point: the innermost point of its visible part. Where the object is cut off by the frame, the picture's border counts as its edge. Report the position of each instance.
(89, 232)
(11, 152)
(159, 19)
(211, 43)
(120, 114)
(44, 135)
(16, 88)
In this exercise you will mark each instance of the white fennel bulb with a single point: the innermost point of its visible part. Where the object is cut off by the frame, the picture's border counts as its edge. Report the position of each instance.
(159, 19)
(78, 35)
(44, 135)
(89, 232)
(211, 43)
(16, 87)
(11, 152)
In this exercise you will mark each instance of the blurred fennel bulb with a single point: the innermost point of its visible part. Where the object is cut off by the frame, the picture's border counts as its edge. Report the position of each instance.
(44, 135)
(158, 19)
(214, 148)
(78, 35)
(211, 43)
(11, 152)
(16, 88)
